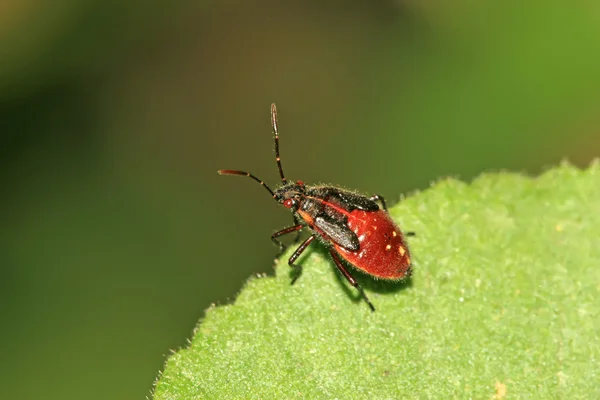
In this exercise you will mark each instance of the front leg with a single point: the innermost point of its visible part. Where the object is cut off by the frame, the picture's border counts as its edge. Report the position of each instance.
(285, 232)
(296, 222)
(297, 254)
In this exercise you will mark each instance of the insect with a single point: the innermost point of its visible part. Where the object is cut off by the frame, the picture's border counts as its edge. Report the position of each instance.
(352, 226)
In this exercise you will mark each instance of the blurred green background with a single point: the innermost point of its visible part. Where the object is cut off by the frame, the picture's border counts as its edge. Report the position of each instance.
(114, 117)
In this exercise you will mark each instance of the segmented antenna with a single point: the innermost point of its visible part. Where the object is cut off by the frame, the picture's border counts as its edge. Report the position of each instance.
(276, 133)
(248, 174)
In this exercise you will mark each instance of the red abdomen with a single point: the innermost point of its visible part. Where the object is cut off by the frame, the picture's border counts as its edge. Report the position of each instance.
(383, 252)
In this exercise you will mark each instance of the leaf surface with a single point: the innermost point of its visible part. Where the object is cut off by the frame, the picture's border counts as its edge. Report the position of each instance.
(504, 301)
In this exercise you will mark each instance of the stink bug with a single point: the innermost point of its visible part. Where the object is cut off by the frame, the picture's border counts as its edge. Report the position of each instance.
(353, 227)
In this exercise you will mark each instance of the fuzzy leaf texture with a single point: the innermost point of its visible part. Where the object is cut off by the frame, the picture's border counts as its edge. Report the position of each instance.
(504, 301)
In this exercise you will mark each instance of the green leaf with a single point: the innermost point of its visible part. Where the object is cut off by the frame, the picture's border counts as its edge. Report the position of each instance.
(504, 301)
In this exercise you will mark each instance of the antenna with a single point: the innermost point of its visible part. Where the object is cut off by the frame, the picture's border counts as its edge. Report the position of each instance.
(277, 158)
(276, 133)
(248, 174)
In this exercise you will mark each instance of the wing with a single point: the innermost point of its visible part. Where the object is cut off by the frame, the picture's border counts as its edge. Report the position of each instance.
(349, 200)
(338, 232)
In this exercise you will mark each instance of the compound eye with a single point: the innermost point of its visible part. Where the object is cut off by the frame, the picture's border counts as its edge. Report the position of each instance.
(299, 183)
(289, 203)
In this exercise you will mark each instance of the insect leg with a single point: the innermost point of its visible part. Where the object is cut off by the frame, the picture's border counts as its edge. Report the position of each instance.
(350, 278)
(297, 254)
(381, 199)
(285, 231)
(296, 222)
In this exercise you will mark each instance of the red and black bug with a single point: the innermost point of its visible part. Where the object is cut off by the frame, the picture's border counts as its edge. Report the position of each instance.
(352, 226)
